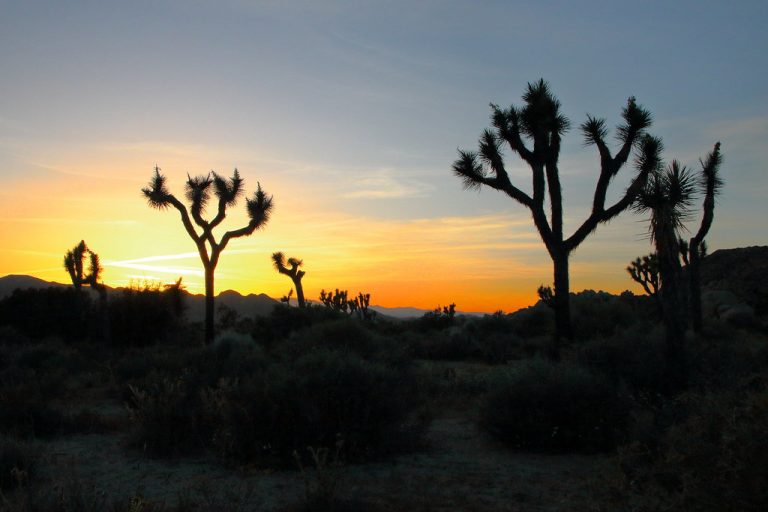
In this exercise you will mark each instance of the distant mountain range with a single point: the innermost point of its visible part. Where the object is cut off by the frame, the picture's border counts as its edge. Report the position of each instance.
(743, 271)
(245, 305)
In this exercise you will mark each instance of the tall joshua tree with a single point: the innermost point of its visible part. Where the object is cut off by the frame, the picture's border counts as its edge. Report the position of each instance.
(539, 121)
(74, 265)
(278, 258)
(198, 193)
(668, 196)
(710, 184)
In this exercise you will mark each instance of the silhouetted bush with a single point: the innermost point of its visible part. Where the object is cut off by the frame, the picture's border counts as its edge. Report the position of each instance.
(713, 460)
(253, 407)
(633, 357)
(542, 406)
(345, 334)
(533, 322)
(167, 416)
(283, 321)
(9, 335)
(141, 315)
(319, 399)
(17, 463)
(491, 339)
(39, 313)
(602, 314)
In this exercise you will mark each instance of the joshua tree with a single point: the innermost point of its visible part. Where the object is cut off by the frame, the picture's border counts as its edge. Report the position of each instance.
(338, 300)
(361, 304)
(198, 193)
(278, 258)
(74, 265)
(645, 271)
(668, 196)
(710, 184)
(541, 122)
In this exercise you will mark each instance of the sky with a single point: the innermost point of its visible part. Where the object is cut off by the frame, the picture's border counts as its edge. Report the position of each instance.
(350, 114)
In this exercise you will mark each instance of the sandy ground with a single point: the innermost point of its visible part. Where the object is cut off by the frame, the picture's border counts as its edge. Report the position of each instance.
(460, 468)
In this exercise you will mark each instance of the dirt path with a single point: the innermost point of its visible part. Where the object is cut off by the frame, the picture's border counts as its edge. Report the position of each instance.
(461, 469)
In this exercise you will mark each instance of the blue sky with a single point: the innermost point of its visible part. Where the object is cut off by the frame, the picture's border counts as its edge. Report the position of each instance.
(355, 110)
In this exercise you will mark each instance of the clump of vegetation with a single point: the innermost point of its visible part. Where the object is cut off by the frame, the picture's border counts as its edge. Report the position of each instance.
(712, 459)
(146, 313)
(248, 404)
(543, 406)
(17, 463)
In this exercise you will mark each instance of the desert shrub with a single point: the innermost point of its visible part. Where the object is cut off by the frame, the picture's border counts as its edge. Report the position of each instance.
(10, 335)
(144, 314)
(167, 417)
(601, 314)
(317, 400)
(39, 313)
(283, 321)
(544, 406)
(17, 463)
(718, 362)
(633, 357)
(448, 345)
(533, 322)
(712, 460)
(25, 403)
(348, 335)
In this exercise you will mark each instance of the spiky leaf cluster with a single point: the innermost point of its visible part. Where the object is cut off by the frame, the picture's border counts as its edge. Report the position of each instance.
(228, 190)
(156, 191)
(259, 207)
(668, 196)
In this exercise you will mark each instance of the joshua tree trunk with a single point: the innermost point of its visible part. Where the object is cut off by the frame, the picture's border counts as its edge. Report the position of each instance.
(299, 290)
(674, 313)
(562, 299)
(694, 284)
(209, 290)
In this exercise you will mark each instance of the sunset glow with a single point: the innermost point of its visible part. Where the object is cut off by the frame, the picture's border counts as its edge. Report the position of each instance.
(353, 131)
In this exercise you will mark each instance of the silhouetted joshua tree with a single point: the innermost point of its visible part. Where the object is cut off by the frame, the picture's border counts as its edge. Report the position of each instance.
(668, 196)
(710, 184)
(338, 300)
(645, 271)
(198, 193)
(278, 258)
(541, 122)
(74, 265)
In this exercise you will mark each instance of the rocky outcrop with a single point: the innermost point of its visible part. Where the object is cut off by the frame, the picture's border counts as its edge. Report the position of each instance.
(743, 272)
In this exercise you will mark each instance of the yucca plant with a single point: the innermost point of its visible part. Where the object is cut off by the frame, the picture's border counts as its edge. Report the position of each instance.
(668, 197)
(710, 184)
(279, 261)
(540, 122)
(75, 267)
(198, 193)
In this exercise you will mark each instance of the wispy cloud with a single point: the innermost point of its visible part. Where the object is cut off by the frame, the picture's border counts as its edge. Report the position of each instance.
(386, 184)
(60, 220)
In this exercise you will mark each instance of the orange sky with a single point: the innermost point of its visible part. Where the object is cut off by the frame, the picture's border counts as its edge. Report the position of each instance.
(481, 262)
(351, 116)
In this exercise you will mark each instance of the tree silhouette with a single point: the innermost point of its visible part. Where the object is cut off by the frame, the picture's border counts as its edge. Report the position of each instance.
(710, 184)
(645, 271)
(278, 259)
(74, 265)
(198, 193)
(668, 196)
(541, 122)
